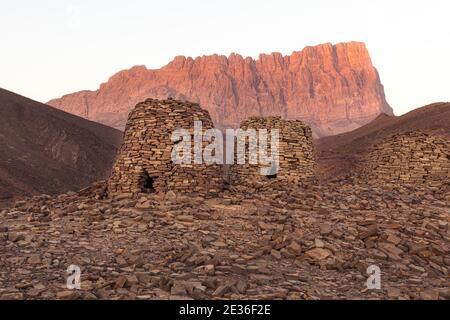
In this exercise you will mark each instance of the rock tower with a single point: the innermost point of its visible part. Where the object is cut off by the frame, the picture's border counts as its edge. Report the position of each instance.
(296, 152)
(144, 162)
(409, 158)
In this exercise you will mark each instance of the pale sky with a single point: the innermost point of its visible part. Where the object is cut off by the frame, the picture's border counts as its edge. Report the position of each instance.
(49, 48)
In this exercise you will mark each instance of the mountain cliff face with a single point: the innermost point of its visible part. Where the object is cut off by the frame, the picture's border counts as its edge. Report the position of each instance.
(45, 150)
(333, 88)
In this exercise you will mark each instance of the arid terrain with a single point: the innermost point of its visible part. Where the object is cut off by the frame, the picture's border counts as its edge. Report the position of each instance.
(265, 239)
(45, 150)
(274, 240)
(225, 160)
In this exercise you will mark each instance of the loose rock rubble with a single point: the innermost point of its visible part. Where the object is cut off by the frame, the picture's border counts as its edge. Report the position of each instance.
(272, 241)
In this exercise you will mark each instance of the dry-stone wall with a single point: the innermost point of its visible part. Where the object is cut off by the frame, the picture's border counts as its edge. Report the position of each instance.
(144, 162)
(410, 158)
(296, 152)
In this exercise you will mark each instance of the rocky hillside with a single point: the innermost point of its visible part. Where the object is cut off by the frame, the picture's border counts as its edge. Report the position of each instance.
(333, 88)
(277, 242)
(45, 150)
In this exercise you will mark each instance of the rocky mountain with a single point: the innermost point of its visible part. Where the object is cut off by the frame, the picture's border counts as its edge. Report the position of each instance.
(341, 154)
(46, 150)
(334, 88)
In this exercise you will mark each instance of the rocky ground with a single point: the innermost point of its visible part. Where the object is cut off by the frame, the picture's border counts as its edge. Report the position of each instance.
(272, 242)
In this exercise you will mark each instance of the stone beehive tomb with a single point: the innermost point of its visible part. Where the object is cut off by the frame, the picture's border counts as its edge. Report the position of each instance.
(409, 158)
(296, 152)
(144, 162)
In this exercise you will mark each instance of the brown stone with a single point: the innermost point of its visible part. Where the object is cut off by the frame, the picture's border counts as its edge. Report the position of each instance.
(318, 253)
(411, 158)
(14, 236)
(144, 163)
(34, 259)
(295, 149)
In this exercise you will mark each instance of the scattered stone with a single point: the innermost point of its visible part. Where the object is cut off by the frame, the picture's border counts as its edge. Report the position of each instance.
(120, 282)
(271, 241)
(294, 248)
(14, 236)
(369, 232)
(319, 243)
(318, 254)
(34, 259)
(66, 295)
(220, 291)
(275, 254)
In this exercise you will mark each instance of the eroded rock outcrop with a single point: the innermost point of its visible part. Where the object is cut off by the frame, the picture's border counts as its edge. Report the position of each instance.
(333, 88)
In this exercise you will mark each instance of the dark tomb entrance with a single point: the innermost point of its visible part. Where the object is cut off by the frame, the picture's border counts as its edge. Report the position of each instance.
(147, 183)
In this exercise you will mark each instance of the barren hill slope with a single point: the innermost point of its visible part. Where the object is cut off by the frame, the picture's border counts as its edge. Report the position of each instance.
(45, 150)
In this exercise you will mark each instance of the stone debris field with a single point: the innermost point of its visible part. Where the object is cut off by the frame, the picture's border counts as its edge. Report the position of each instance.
(275, 242)
(159, 231)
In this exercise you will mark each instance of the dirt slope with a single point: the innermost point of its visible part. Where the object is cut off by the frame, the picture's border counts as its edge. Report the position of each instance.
(45, 150)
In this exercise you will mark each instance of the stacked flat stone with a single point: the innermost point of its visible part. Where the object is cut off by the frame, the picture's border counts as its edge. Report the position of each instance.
(410, 158)
(296, 152)
(145, 154)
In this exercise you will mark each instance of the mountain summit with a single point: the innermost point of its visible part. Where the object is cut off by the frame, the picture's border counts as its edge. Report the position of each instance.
(333, 88)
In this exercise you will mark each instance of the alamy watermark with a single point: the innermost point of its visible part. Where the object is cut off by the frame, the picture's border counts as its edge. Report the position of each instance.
(73, 281)
(73, 17)
(257, 147)
(374, 279)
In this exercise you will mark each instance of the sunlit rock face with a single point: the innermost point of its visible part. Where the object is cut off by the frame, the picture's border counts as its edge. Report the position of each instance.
(333, 88)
